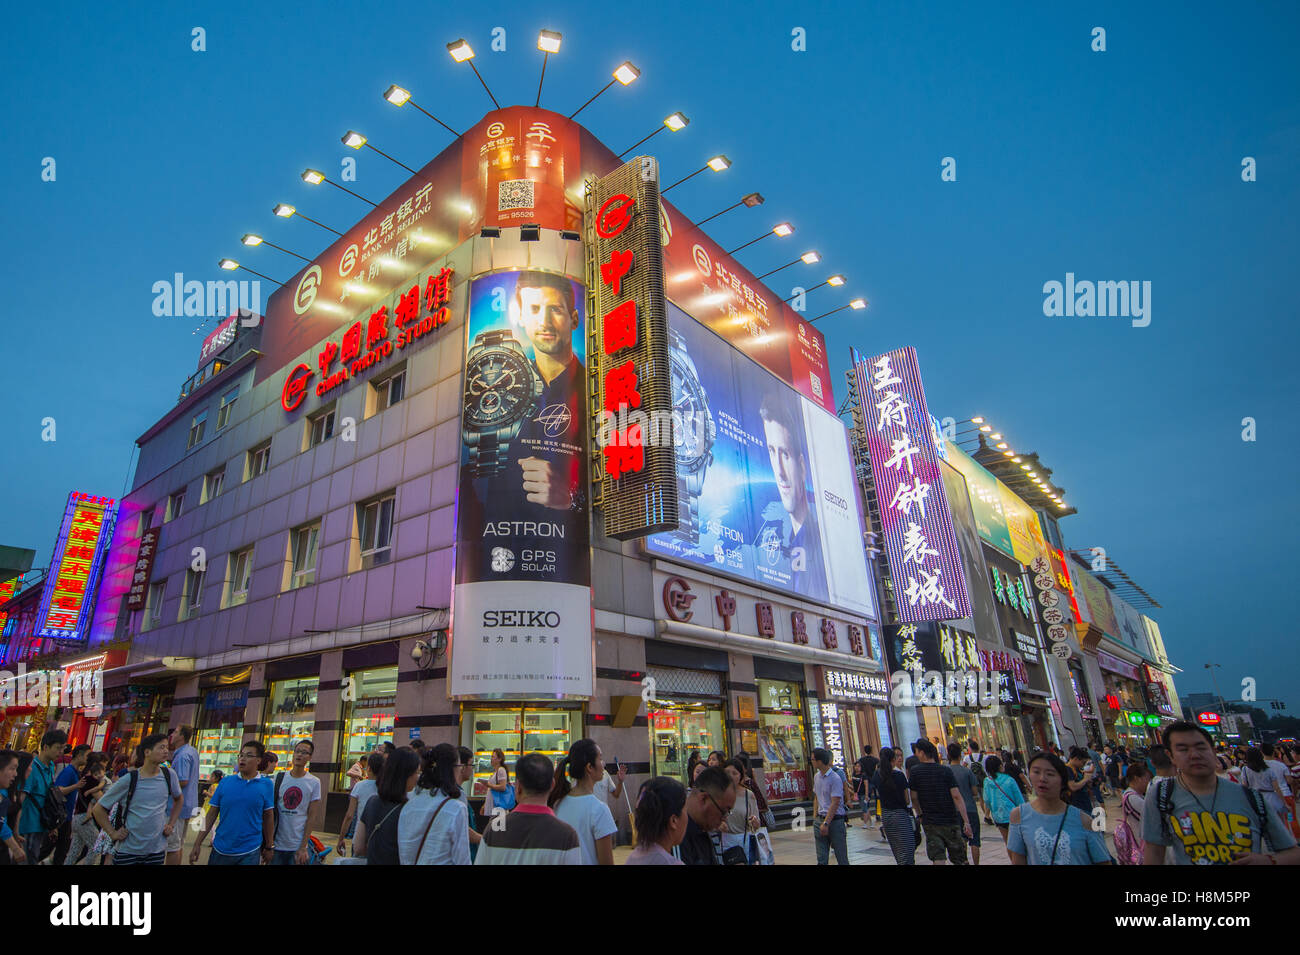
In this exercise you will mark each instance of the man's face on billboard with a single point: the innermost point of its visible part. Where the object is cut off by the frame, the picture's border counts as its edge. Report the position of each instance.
(546, 319)
(787, 466)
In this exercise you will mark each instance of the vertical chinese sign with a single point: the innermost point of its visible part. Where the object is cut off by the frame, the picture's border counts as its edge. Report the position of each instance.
(631, 386)
(68, 600)
(135, 598)
(919, 540)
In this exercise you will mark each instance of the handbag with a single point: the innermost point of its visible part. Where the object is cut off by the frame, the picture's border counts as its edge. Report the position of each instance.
(506, 798)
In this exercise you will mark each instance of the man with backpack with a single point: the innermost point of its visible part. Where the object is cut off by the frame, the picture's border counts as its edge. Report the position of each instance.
(43, 809)
(297, 808)
(1207, 820)
(141, 822)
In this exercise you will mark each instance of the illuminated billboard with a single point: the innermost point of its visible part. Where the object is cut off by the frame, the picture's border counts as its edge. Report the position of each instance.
(766, 488)
(67, 602)
(924, 559)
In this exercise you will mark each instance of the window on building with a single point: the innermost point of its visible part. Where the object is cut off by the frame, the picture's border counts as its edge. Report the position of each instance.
(239, 575)
(147, 519)
(302, 556)
(386, 392)
(175, 504)
(197, 425)
(259, 460)
(320, 427)
(212, 483)
(227, 403)
(193, 593)
(375, 530)
(153, 605)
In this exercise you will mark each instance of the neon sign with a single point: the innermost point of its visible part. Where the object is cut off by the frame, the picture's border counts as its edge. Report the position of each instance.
(87, 525)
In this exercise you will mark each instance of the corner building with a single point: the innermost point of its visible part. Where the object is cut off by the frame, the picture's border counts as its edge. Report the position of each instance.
(345, 548)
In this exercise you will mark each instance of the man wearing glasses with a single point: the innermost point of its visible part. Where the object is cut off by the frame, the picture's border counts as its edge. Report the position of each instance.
(707, 805)
(246, 804)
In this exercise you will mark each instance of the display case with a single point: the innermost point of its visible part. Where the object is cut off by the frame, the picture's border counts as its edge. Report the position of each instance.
(368, 720)
(678, 729)
(292, 716)
(514, 731)
(218, 748)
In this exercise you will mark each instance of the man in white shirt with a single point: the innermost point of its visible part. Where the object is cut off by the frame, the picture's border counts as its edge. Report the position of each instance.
(609, 792)
(297, 808)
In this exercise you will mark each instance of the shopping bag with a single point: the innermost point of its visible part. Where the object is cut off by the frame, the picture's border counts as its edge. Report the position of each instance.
(765, 854)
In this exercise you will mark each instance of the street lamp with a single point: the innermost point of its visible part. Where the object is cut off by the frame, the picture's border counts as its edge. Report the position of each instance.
(717, 164)
(252, 239)
(230, 265)
(548, 41)
(355, 140)
(835, 281)
(286, 211)
(462, 52)
(781, 230)
(314, 177)
(857, 304)
(673, 121)
(625, 73)
(751, 200)
(808, 258)
(400, 97)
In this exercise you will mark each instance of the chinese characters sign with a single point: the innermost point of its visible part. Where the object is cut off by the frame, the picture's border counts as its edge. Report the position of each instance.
(69, 590)
(919, 539)
(853, 687)
(135, 598)
(628, 332)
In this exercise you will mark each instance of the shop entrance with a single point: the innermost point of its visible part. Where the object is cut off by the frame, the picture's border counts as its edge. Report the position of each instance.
(368, 718)
(781, 739)
(221, 729)
(679, 728)
(515, 730)
(292, 716)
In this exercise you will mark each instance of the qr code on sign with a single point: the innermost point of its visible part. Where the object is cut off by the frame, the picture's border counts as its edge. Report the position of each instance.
(816, 381)
(515, 194)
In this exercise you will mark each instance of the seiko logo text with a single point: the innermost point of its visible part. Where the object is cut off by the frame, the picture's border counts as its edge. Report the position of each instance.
(521, 618)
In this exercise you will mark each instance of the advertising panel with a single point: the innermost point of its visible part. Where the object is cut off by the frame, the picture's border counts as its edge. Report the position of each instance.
(135, 598)
(1131, 628)
(221, 336)
(522, 623)
(7, 589)
(924, 559)
(1027, 541)
(767, 490)
(984, 613)
(1097, 599)
(986, 499)
(68, 600)
(630, 382)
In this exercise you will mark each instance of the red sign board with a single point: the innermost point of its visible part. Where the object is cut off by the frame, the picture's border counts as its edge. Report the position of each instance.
(1208, 719)
(135, 598)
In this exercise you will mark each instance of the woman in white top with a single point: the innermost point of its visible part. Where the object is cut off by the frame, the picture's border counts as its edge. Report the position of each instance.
(359, 796)
(577, 804)
(433, 828)
(499, 782)
(1260, 776)
(743, 818)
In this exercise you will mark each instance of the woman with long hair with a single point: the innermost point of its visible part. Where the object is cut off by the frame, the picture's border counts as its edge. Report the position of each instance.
(1260, 776)
(499, 783)
(1001, 794)
(434, 826)
(895, 807)
(376, 839)
(743, 820)
(691, 762)
(1047, 830)
(577, 804)
(660, 822)
(360, 794)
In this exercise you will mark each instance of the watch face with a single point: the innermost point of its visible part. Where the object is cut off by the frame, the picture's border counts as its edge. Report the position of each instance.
(691, 416)
(498, 388)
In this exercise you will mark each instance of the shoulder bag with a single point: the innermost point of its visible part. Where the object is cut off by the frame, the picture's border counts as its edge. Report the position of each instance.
(446, 799)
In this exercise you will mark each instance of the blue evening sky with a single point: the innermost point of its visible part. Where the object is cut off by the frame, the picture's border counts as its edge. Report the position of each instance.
(1117, 165)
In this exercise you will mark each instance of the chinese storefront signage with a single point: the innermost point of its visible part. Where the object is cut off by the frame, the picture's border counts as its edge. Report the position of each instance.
(1153, 719)
(629, 365)
(1050, 600)
(135, 598)
(1008, 692)
(919, 539)
(1011, 592)
(831, 732)
(852, 687)
(7, 589)
(416, 312)
(1208, 719)
(69, 590)
(1027, 644)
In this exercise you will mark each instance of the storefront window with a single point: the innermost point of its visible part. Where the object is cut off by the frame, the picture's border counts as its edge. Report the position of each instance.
(221, 729)
(515, 731)
(291, 718)
(679, 728)
(368, 719)
(781, 739)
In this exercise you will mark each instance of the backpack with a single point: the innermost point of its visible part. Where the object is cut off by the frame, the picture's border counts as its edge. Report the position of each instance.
(1128, 847)
(124, 807)
(1165, 804)
(54, 811)
(977, 770)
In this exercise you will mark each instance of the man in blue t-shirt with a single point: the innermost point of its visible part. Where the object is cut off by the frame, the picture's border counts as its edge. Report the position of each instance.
(41, 778)
(69, 781)
(245, 801)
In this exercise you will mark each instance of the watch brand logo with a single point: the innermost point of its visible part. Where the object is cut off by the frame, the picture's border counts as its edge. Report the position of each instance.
(513, 528)
(678, 599)
(521, 618)
(503, 559)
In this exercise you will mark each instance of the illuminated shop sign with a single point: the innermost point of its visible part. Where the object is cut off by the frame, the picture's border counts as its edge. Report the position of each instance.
(632, 391)
(7, 589)
(69, 590)
(1011, 592)
(1208, 719)
(851, 687)
(135, 598)
(919, 539)
(1153, 719)
(415, 312)
(831, 732)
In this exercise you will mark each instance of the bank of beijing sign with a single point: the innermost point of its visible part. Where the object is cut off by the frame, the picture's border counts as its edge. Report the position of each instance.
(923, 558)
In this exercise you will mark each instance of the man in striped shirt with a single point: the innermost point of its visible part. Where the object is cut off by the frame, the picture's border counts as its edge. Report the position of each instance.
(530, 834)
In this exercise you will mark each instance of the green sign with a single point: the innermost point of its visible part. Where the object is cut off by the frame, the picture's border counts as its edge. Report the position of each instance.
(1153, 719)
(1137, 719)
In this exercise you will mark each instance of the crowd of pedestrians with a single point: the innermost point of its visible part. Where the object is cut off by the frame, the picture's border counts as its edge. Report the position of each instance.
(1181, 802)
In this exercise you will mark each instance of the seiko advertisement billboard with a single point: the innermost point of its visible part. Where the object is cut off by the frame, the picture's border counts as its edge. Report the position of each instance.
(765, 486)
(522, 619)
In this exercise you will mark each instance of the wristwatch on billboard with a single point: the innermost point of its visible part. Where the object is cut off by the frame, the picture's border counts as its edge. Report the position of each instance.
(502, 391)
(698, 431)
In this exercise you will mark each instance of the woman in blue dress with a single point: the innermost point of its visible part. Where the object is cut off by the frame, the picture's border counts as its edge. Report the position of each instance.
(1047, 830)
